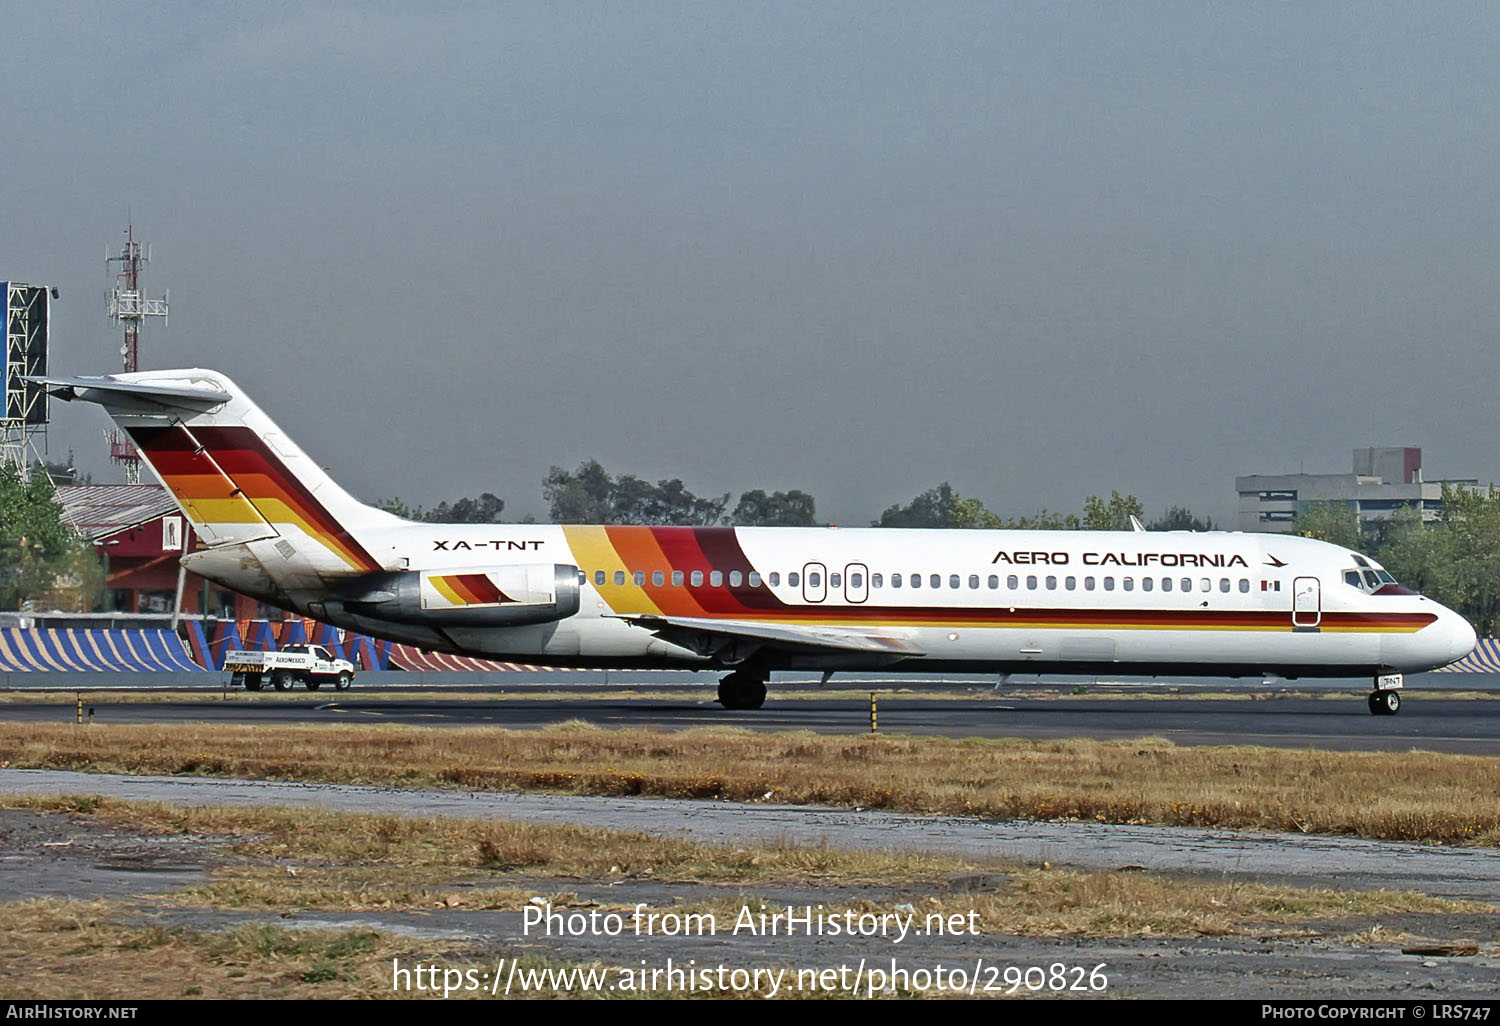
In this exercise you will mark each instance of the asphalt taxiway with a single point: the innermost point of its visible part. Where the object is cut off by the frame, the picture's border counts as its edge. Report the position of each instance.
(1431, 722)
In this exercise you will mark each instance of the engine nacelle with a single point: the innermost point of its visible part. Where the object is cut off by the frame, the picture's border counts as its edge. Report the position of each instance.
(502, 596)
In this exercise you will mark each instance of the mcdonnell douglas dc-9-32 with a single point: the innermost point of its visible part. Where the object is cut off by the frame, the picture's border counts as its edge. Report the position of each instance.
(748, 601)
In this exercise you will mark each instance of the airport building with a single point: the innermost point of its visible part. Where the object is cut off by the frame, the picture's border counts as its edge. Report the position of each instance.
(1383, 481)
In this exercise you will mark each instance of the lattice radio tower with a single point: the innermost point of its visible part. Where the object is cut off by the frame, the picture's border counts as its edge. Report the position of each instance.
(129, 308)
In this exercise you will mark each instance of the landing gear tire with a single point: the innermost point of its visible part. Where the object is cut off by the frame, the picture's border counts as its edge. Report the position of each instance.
(1385, 703)
(741, 690)
(281, 681)
(345, 679)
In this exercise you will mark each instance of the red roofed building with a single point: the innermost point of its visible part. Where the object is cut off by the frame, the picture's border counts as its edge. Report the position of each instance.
(141, 534)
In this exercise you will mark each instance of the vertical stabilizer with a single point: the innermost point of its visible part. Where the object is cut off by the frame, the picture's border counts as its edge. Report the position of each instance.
(237, 477)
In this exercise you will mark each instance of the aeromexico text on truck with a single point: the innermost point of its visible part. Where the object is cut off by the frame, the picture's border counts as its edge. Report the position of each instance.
(1123, 558)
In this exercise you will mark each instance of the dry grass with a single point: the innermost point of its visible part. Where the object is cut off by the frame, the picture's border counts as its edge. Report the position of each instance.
(70, 950)
(1419, 796)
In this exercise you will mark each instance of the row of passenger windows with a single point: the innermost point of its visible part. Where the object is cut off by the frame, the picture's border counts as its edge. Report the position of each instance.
(716, 579)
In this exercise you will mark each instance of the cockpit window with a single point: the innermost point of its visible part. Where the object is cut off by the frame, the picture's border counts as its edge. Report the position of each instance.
(1367, 575)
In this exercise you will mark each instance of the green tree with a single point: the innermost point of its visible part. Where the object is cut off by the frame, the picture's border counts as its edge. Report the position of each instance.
(579, 497)
(1471, 519)
(590, 495)
(779, 509)
(1334, 522)
(1179, 518)
(36, 546)
(484, 510)
(1113, 514)
(968, 512)
(933, 508)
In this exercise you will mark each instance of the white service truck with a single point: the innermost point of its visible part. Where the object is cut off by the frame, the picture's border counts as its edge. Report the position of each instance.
(310, 664)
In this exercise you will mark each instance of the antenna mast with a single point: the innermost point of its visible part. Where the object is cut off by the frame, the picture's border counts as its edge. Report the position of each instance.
(127, 307)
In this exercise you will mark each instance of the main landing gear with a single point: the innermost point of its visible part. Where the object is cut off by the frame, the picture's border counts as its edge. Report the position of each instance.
(1385, 700)
(743, 689)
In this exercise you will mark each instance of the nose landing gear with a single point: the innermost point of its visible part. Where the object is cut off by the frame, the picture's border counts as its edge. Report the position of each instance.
(1385, 700)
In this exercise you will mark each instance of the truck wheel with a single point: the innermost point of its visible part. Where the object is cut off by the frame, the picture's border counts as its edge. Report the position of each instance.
(281, 680)
(345, 679)
(252, 682)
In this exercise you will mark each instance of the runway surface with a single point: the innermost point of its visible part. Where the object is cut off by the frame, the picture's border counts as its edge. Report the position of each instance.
(1339, 722)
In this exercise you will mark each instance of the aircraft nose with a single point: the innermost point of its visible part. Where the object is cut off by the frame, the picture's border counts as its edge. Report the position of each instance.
(1456, 636)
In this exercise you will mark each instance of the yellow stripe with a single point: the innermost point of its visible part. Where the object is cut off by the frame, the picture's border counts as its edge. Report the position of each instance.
(592, 551)
(447, 591)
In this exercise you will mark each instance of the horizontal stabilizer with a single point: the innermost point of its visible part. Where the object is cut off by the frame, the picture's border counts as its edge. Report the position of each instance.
(780, 635)
(128, 395)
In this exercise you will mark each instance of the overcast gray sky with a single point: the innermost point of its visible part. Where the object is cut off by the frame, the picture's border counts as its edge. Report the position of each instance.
(1035, 250)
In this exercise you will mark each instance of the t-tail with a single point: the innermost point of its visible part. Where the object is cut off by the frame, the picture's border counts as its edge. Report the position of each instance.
(273, 524)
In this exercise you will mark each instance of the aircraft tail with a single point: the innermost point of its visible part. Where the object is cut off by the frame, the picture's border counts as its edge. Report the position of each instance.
(238, 478)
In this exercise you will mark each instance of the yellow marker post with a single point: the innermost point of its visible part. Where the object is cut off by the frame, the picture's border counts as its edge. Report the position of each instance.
(80, 708)
(874, 727)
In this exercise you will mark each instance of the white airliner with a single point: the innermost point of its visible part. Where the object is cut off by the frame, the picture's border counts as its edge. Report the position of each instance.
(754, 600)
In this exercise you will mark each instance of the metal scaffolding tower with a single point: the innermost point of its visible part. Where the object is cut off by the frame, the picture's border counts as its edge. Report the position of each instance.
(23, 411)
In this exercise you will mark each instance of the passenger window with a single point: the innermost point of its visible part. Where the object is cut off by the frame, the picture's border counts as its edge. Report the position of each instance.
(973, 580)
(877, 580)
(1088, 584)
(1147, 583)
(1207, 584)
(835, 580)
(1166, 584)
(676, 578)
(1031, 584)
(619, 578)
(735, 578)
(716, 578)
(1187, 584)
(916, 580)
(658, 578)
(754, 579)
(639, 577)
(953, 581)
(775, 580)
(895, 580)
(815, 580)
(994, 582)
(1109, 584)
(794, 579)
(598, 577)
(1051, 583)
(1128, 583)
(936, 580)
(697, 578)
(1245, 585)
(1012, 582)
(1071, 583)
(856, 580)
(1224, 585)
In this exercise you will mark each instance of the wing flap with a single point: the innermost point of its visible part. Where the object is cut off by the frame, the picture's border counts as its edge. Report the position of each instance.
(777, 635)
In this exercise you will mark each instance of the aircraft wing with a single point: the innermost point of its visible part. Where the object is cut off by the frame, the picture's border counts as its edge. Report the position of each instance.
(720, 637)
